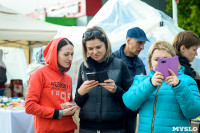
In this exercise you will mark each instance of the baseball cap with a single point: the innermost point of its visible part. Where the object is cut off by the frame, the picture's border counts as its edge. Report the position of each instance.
(137, 33)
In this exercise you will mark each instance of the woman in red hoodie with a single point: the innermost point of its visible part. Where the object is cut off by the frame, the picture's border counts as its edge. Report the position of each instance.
(50, 87)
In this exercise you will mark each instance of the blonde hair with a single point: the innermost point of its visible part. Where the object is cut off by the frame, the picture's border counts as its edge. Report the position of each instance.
(160, 45)
(103, 38)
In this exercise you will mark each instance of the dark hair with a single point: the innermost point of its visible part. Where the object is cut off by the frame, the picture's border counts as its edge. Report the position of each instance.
(186, 38)
(63, 42)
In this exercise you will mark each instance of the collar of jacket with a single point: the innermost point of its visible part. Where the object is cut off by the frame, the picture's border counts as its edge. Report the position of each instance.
(91, 61)
(136, 62)
(62, 69)
(183, 60)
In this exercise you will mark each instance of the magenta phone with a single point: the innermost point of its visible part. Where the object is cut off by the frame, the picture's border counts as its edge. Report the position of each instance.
(168, 63)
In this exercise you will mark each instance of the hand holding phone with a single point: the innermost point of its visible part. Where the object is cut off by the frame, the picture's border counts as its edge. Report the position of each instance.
(157, 78)
(110, 85)
(87, 86)
(173, 79)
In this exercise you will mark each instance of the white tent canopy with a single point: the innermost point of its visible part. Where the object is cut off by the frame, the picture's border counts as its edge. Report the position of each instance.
(18, 32)
(14, 26)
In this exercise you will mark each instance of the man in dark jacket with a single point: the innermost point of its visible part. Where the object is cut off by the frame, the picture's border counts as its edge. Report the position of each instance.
(135, 40)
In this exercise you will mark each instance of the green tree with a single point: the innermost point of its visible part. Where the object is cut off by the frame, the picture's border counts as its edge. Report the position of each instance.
(188, 14)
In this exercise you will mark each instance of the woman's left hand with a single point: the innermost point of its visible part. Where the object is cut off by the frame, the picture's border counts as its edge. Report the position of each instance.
(109, 84)
(69, 111)
(67, 105)
(173, 79)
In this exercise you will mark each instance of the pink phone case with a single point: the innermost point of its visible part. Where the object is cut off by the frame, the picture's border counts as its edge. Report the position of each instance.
(167, 63)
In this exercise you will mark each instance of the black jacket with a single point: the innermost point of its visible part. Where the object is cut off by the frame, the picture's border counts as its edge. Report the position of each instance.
(101, 109)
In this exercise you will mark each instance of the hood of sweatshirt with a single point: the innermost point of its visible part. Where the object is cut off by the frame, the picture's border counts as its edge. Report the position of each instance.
(50, 55)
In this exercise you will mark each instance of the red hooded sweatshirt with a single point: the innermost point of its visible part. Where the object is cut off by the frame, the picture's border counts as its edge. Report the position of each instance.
(48, 89)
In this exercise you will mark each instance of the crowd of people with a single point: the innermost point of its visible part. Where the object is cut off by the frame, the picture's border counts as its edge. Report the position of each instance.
(112, 106)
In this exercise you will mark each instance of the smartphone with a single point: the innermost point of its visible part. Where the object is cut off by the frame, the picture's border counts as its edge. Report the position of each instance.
(101, 76)
(91, 76)
(70, 104)
(168, 63)
(98, 76)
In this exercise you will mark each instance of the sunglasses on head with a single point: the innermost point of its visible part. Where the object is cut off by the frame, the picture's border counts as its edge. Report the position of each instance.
(94, 33)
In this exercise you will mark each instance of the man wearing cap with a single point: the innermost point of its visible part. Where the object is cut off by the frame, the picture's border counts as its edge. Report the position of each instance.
(135, 40)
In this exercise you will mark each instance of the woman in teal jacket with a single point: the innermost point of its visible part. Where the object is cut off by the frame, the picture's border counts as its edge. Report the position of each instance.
(165, 105)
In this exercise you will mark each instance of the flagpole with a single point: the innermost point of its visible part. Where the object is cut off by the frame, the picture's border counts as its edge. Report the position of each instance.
(175, 14)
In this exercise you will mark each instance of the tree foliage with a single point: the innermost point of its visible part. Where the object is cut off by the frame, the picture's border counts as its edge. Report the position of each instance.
(188, 14)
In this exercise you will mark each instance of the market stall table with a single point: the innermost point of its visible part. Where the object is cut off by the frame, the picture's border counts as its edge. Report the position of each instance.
(13, 118)
(16, 121)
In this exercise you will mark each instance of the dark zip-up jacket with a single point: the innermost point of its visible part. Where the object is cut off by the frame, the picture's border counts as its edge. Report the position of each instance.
(101, 109)
(136, 67)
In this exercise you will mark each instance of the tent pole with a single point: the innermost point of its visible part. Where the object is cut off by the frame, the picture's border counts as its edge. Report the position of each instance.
(175, 14)
(29, 52)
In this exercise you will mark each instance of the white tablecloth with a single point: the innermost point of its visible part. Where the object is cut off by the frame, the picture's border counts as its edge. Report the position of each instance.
(16, 122)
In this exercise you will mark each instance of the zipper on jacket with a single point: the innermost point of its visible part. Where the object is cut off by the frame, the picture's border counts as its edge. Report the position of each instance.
(154, 110)
(101, 104)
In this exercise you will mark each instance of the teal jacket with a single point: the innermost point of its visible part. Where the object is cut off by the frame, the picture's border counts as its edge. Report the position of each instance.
(164, 110)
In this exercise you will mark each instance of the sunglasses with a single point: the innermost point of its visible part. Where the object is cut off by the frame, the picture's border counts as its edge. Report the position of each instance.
(89, 34)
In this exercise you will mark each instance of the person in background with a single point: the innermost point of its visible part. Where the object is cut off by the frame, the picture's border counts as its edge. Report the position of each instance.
(186, 44)
(39, 56)
(50, 88)
(164, 104)
(102, 109)
(40, 62)
(3, 77)
(135, 40)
